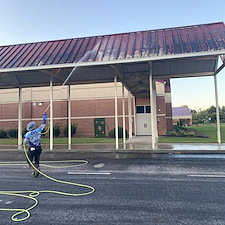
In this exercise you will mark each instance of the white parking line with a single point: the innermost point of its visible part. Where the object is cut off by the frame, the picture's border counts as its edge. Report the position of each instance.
(207, 175)
(87, 173)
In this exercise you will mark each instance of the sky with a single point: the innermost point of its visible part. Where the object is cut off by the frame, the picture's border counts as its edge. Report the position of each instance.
(26, 21)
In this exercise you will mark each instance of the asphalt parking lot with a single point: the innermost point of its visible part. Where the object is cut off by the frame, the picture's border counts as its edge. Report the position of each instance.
(149, 189)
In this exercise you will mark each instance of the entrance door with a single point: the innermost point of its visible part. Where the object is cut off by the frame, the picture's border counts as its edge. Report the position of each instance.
(143, 120)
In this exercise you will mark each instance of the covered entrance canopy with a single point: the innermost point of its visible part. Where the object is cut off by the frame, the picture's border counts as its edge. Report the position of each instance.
(136, 59)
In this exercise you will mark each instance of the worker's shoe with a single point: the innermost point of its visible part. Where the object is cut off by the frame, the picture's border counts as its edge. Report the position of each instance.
(35, 172)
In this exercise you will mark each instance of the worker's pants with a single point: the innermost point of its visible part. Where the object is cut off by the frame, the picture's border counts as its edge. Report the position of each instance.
(34, 154)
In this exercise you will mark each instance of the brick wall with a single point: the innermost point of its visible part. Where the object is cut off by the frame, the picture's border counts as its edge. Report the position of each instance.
(83, 112)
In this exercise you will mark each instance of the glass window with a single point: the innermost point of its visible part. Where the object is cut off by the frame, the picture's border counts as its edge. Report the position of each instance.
(148, 109)
(140, 109)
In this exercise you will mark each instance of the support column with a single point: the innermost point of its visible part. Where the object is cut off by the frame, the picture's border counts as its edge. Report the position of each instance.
(155, 114)
(20, 119)
(152, 105)
(217, 112)
(129, 115)
(116, 113)
(124, 124)
(69, 119)
(51, 114)
(135, 124)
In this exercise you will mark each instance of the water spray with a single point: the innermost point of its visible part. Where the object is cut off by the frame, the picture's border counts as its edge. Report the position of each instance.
(83, 59)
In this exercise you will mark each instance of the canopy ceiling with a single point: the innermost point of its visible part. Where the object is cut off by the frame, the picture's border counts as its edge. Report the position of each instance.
(174, 53)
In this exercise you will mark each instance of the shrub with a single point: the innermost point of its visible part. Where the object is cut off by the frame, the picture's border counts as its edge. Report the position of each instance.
(181, 133)
(185, 128)
(176, 128)
(112, 134)
(191, 134)
(173, 133)
(73, 130)
(13, 133)
(3, 133)
(56, 130)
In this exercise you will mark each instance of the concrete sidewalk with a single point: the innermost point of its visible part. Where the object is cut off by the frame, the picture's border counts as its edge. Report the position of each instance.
(144, 143)
(138, 144)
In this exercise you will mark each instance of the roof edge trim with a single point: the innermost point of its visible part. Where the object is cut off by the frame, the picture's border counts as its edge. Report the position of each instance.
(131, 60)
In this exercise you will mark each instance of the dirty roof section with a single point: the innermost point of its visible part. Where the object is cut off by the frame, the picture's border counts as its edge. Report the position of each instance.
(181, 111)
(125, 46)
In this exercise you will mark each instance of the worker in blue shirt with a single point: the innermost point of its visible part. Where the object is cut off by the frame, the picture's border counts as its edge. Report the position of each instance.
(33, 137)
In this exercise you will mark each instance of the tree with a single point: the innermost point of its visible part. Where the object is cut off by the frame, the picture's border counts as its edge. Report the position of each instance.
(211, 110)
(56, 130)
(208, 115)
(193, 111)
(73, 130)
(184, 106)
(222, 114)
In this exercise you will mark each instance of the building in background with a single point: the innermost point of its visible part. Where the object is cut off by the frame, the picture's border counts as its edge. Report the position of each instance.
(182, 116)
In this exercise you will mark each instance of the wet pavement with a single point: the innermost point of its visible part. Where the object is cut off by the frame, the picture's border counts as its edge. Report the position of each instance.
(171, 184)
(166, 189)
(137, 147)
(132, 147)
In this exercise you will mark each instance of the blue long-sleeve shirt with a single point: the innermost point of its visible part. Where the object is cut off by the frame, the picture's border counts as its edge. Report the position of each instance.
(34, 136)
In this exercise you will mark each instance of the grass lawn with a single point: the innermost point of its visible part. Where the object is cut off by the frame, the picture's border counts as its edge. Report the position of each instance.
(209, 130)
(80, 140)
(75, 140)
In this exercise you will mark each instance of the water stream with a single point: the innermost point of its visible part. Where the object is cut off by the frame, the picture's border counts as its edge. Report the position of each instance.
(83, 59)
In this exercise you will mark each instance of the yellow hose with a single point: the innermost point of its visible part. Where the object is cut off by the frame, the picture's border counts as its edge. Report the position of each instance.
(33, 194)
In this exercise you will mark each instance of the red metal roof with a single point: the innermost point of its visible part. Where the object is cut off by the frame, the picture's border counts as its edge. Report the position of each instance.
(106, 48)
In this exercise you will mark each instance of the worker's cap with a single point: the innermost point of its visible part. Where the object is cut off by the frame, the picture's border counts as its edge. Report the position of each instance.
(31, 126)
